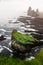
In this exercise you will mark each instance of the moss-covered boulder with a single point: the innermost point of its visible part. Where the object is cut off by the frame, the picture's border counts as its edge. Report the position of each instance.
(22, 42)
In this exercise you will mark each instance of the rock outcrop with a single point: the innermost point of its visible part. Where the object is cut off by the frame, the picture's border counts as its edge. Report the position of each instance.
(22, 43)
(2, 38)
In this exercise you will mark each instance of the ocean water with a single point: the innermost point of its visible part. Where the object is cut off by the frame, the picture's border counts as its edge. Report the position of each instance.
(6, 29)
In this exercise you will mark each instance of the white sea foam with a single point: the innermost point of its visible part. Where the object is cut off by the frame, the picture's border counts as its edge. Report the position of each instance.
(3, 30)
(30, 29)
(7, 49)
(8, 37)
(10, 44)
(1, 48)
(30, 58)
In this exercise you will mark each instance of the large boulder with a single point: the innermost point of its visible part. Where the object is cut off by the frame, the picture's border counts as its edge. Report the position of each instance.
(22, 42)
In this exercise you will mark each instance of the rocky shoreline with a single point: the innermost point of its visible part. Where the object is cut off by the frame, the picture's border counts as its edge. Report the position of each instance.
(21, 49)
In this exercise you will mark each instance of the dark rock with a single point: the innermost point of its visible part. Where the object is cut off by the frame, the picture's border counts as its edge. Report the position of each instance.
(2, 38)
(37, 35)
(20, 48)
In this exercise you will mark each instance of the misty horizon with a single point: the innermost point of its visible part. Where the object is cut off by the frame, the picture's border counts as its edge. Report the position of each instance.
(14, 8)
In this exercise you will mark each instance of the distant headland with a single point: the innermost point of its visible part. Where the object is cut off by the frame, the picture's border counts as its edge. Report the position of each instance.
(34, 13)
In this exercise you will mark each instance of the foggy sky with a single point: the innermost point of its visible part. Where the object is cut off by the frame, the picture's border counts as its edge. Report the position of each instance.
(14, 8)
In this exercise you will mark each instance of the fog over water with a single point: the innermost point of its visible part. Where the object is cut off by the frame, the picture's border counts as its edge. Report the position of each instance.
(14, 8)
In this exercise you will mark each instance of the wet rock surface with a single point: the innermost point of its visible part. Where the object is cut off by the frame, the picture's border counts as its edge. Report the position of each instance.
(7, 42)
(38, 25)
(2, 38)
(26, 51)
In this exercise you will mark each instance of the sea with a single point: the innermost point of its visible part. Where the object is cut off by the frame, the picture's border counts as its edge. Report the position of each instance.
(6, 30)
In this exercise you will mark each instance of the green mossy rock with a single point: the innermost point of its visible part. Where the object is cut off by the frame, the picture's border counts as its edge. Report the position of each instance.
(23, 38)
